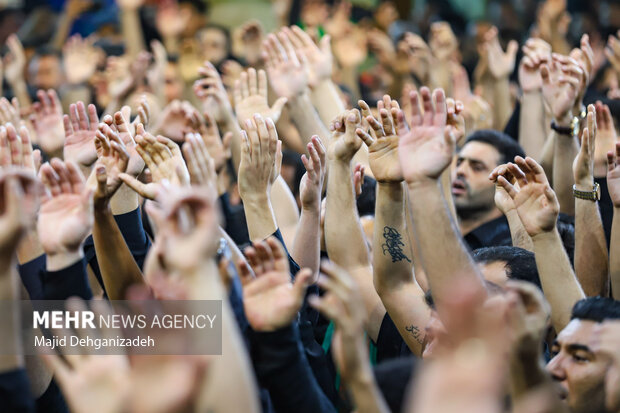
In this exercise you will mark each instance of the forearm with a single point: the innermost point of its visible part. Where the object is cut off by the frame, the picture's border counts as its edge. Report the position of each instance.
(348, 77)
(230, 124)
(285, 209)
(532, 134)
(326, 100)
(29, 247)
(436, 234)
(20, 91)
(344, 237)
(614, 258)
(62, 31)
(306, 249)
(518, 234)
(171, 43)
(566, 149)
(366, 395)
(561, 288)
(546, 157)
(118, 267)
(591, 260)
(259, 216)
(392, 251)
(306, 119)
(527, 372)
(132, 32)
(124, 200)
(11, 356)
(502, 106)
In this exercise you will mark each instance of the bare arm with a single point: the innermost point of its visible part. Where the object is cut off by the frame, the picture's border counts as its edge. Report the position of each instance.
(344, 237)
(591, 258)
(565, 151)
(613, 184)
(131, 27)
(532, 133)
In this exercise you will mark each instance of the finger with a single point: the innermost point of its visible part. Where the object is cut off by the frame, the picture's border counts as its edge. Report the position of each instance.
(63, 175)
(364, 136)
(82, 116)
(508, 187)
(73, 115)
(15, 145)
(93, 118)
(252, 81)
(140, 188)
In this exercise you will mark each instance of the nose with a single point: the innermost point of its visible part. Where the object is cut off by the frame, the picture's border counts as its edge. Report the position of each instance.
(555, 367)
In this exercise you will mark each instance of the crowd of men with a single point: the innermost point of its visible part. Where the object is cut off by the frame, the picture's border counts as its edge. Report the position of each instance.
(402, 206)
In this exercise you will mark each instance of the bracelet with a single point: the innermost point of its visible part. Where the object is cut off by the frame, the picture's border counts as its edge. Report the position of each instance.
(594, 195)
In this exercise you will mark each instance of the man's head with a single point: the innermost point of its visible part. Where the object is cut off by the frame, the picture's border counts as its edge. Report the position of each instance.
(484, 149)
(503, 263)
(215, 43)
(173, 86)
(578, 370)
(46, 71)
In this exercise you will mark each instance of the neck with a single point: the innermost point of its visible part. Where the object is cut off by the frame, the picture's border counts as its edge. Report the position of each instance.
(469, 220)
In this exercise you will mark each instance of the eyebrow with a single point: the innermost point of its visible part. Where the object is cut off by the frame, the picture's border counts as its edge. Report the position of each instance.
(573, 347)
(472, 160)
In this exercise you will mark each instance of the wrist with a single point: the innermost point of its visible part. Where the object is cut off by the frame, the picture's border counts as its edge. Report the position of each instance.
(545, 236)
(253, 198)
(584, 184)
(423, 184)
(59, 260)
(564, 121)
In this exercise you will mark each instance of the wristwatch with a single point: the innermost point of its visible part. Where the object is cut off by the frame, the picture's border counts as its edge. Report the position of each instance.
(594, 195)
(572, 130)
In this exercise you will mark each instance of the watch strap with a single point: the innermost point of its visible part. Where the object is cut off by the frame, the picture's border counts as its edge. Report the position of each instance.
(593, 195)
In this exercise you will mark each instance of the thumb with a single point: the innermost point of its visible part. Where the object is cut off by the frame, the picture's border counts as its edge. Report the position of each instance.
(513, 48)
(303, 280)
(544, 72)
(278, 106)
(102, 179)
(325, 44)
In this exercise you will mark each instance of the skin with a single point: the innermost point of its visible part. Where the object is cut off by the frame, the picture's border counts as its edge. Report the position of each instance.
(173, 87)
(213, 45)
(48, 72)
(578, 370)
(472, 191)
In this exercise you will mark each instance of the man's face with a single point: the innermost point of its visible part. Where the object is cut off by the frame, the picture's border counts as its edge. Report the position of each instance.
(48, 73)
(471, 188)
(173, 88)
(213, 43)
(578, 371)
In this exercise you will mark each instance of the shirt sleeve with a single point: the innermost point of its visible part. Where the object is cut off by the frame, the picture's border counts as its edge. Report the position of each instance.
(15, 396)
(282, 368)
(67, 282)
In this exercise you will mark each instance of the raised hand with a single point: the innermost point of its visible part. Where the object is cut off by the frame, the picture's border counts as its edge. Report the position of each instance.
(113, 161)
(200, 164)
(612, 52)
(536, 53)
(286, 68)
(16, 149)
(14, 61)
(120, 125)
(250, 95)
(164, 160)
(503, 201)
(443, 42)
(318, 58)
(80, 129)
(270, 298)
(211, 92)
(19, 204)
(583, 165)
(93, 377)
(311, 185)
(500, 63)
(218, 148)
(529, 316)
(536, 203)
(343, 304)
(66, 216)
(258, 168)
(47, 121)
(613, 175)
(427, 149)
(188, 225)
(561, 85)
(80, 59)
(171, 20)
(344, 143)
(10, 111)
(605, 138)
(176, 117)
(383, 145)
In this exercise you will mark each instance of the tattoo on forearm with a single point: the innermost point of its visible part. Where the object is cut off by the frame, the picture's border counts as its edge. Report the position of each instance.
(415, 332)
(393, 244)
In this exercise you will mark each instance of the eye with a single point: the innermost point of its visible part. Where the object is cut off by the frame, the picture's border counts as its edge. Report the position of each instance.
(579, 358)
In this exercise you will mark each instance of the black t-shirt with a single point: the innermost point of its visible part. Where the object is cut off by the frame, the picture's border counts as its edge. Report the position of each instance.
(491, 234)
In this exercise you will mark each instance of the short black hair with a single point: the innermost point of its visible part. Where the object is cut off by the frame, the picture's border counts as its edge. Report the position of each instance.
(201, 6)
(507, 147)
(520, 263)
(597, 309)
